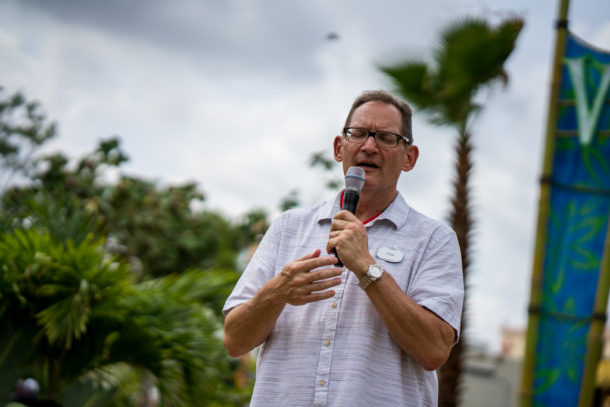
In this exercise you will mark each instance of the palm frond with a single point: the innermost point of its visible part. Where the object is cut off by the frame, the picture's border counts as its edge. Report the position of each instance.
(470, 54)
(414, 79)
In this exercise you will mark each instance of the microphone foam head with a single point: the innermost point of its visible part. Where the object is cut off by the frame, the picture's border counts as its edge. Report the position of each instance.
(354, 178)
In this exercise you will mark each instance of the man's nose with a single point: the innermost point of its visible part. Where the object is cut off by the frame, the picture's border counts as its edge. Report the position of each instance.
(369, 143)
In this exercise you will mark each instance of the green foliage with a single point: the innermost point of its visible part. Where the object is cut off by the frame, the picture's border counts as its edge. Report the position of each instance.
(54, 294)
(157, 228)
(109, 290)
(82, 314)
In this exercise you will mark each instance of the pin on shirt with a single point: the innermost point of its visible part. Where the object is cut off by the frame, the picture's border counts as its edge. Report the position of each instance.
(390, 254)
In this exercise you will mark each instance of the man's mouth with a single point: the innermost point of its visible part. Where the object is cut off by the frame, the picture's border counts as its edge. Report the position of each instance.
(367, 165)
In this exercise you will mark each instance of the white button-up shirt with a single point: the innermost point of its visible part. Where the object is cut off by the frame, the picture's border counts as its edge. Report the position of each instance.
(338, 352)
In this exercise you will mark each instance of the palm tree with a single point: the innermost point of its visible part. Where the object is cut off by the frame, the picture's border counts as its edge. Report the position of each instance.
(470, 57)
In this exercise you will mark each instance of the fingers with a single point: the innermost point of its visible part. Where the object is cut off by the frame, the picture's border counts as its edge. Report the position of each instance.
(338, 225)
(332, 242)
(348, 239)
(306, 299)
(309, 264)
(315, 253)
(309, 289)
(340, 232)
(345, 216)
(323, 274)
(323, 285)
(304, 280)
(316, 292)
(345, 220)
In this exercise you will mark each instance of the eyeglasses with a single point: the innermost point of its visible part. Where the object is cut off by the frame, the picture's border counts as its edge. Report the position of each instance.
(382, 138)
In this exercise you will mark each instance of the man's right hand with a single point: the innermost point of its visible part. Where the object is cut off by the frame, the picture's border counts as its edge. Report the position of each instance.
(300, 282)
(303, 281)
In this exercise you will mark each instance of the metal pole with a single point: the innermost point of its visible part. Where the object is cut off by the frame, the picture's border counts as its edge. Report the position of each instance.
(527, 381)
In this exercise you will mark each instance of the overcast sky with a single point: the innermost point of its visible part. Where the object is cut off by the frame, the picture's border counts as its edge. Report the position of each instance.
(236, 96)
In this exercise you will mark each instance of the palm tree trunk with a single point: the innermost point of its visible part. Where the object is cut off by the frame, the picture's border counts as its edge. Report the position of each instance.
(450, 375)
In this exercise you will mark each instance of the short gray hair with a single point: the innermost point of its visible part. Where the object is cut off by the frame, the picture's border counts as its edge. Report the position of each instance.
(382, 96)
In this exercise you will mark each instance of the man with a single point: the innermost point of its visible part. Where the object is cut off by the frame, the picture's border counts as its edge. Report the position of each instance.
(374, 332)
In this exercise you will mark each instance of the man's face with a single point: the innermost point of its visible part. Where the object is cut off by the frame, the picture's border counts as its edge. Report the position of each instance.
(382, 165)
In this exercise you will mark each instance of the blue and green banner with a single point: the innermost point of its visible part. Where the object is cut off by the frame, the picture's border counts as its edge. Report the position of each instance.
(573, 280)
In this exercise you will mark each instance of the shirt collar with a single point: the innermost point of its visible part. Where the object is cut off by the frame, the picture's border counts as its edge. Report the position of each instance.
(396, 213)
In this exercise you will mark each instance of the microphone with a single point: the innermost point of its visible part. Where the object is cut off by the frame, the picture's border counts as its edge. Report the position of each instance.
(354, 181)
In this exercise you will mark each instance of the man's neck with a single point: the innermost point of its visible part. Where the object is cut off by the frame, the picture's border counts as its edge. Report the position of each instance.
(371, 205)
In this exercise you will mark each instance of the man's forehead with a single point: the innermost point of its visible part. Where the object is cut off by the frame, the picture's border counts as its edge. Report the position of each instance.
(378, 111)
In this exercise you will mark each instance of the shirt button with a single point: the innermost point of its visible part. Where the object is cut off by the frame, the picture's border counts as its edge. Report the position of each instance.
(334, 305)
(322, 382)
(327, 342)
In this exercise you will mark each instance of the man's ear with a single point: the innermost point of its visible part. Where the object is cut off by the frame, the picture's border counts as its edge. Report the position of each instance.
(411, 156)
(337, 148)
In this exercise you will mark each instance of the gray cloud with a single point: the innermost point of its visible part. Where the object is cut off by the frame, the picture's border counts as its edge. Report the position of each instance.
(224, 38)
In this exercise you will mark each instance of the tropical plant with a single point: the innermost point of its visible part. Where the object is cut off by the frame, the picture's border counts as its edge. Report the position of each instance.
(470, 57)
(73, 318)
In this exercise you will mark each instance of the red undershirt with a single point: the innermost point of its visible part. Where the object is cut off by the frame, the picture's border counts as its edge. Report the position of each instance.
(366, 221)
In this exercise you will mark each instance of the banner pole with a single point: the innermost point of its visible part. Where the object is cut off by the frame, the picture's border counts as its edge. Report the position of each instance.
(527, 380)
(595, 337)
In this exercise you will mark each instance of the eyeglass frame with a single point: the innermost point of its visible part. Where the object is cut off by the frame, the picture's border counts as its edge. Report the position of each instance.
(374, 135)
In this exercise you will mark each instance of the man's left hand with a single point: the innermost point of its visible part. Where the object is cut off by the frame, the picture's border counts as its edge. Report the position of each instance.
(348, 236)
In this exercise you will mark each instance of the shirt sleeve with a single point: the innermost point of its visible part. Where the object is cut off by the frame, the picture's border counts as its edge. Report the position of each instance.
(259, 270)
(439, 282)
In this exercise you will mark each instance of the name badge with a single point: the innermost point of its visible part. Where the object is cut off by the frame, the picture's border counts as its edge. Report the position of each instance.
(390, 254)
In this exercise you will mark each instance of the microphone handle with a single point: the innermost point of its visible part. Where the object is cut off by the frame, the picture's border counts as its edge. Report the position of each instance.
(350, 203)
(339, 262)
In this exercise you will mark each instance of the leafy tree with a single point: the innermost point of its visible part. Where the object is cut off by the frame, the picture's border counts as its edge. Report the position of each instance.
(110, 289)
(23, 129)
(157, 228)
(470, 56)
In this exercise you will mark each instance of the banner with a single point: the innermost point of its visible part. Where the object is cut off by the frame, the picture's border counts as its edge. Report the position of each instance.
(571, 300)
